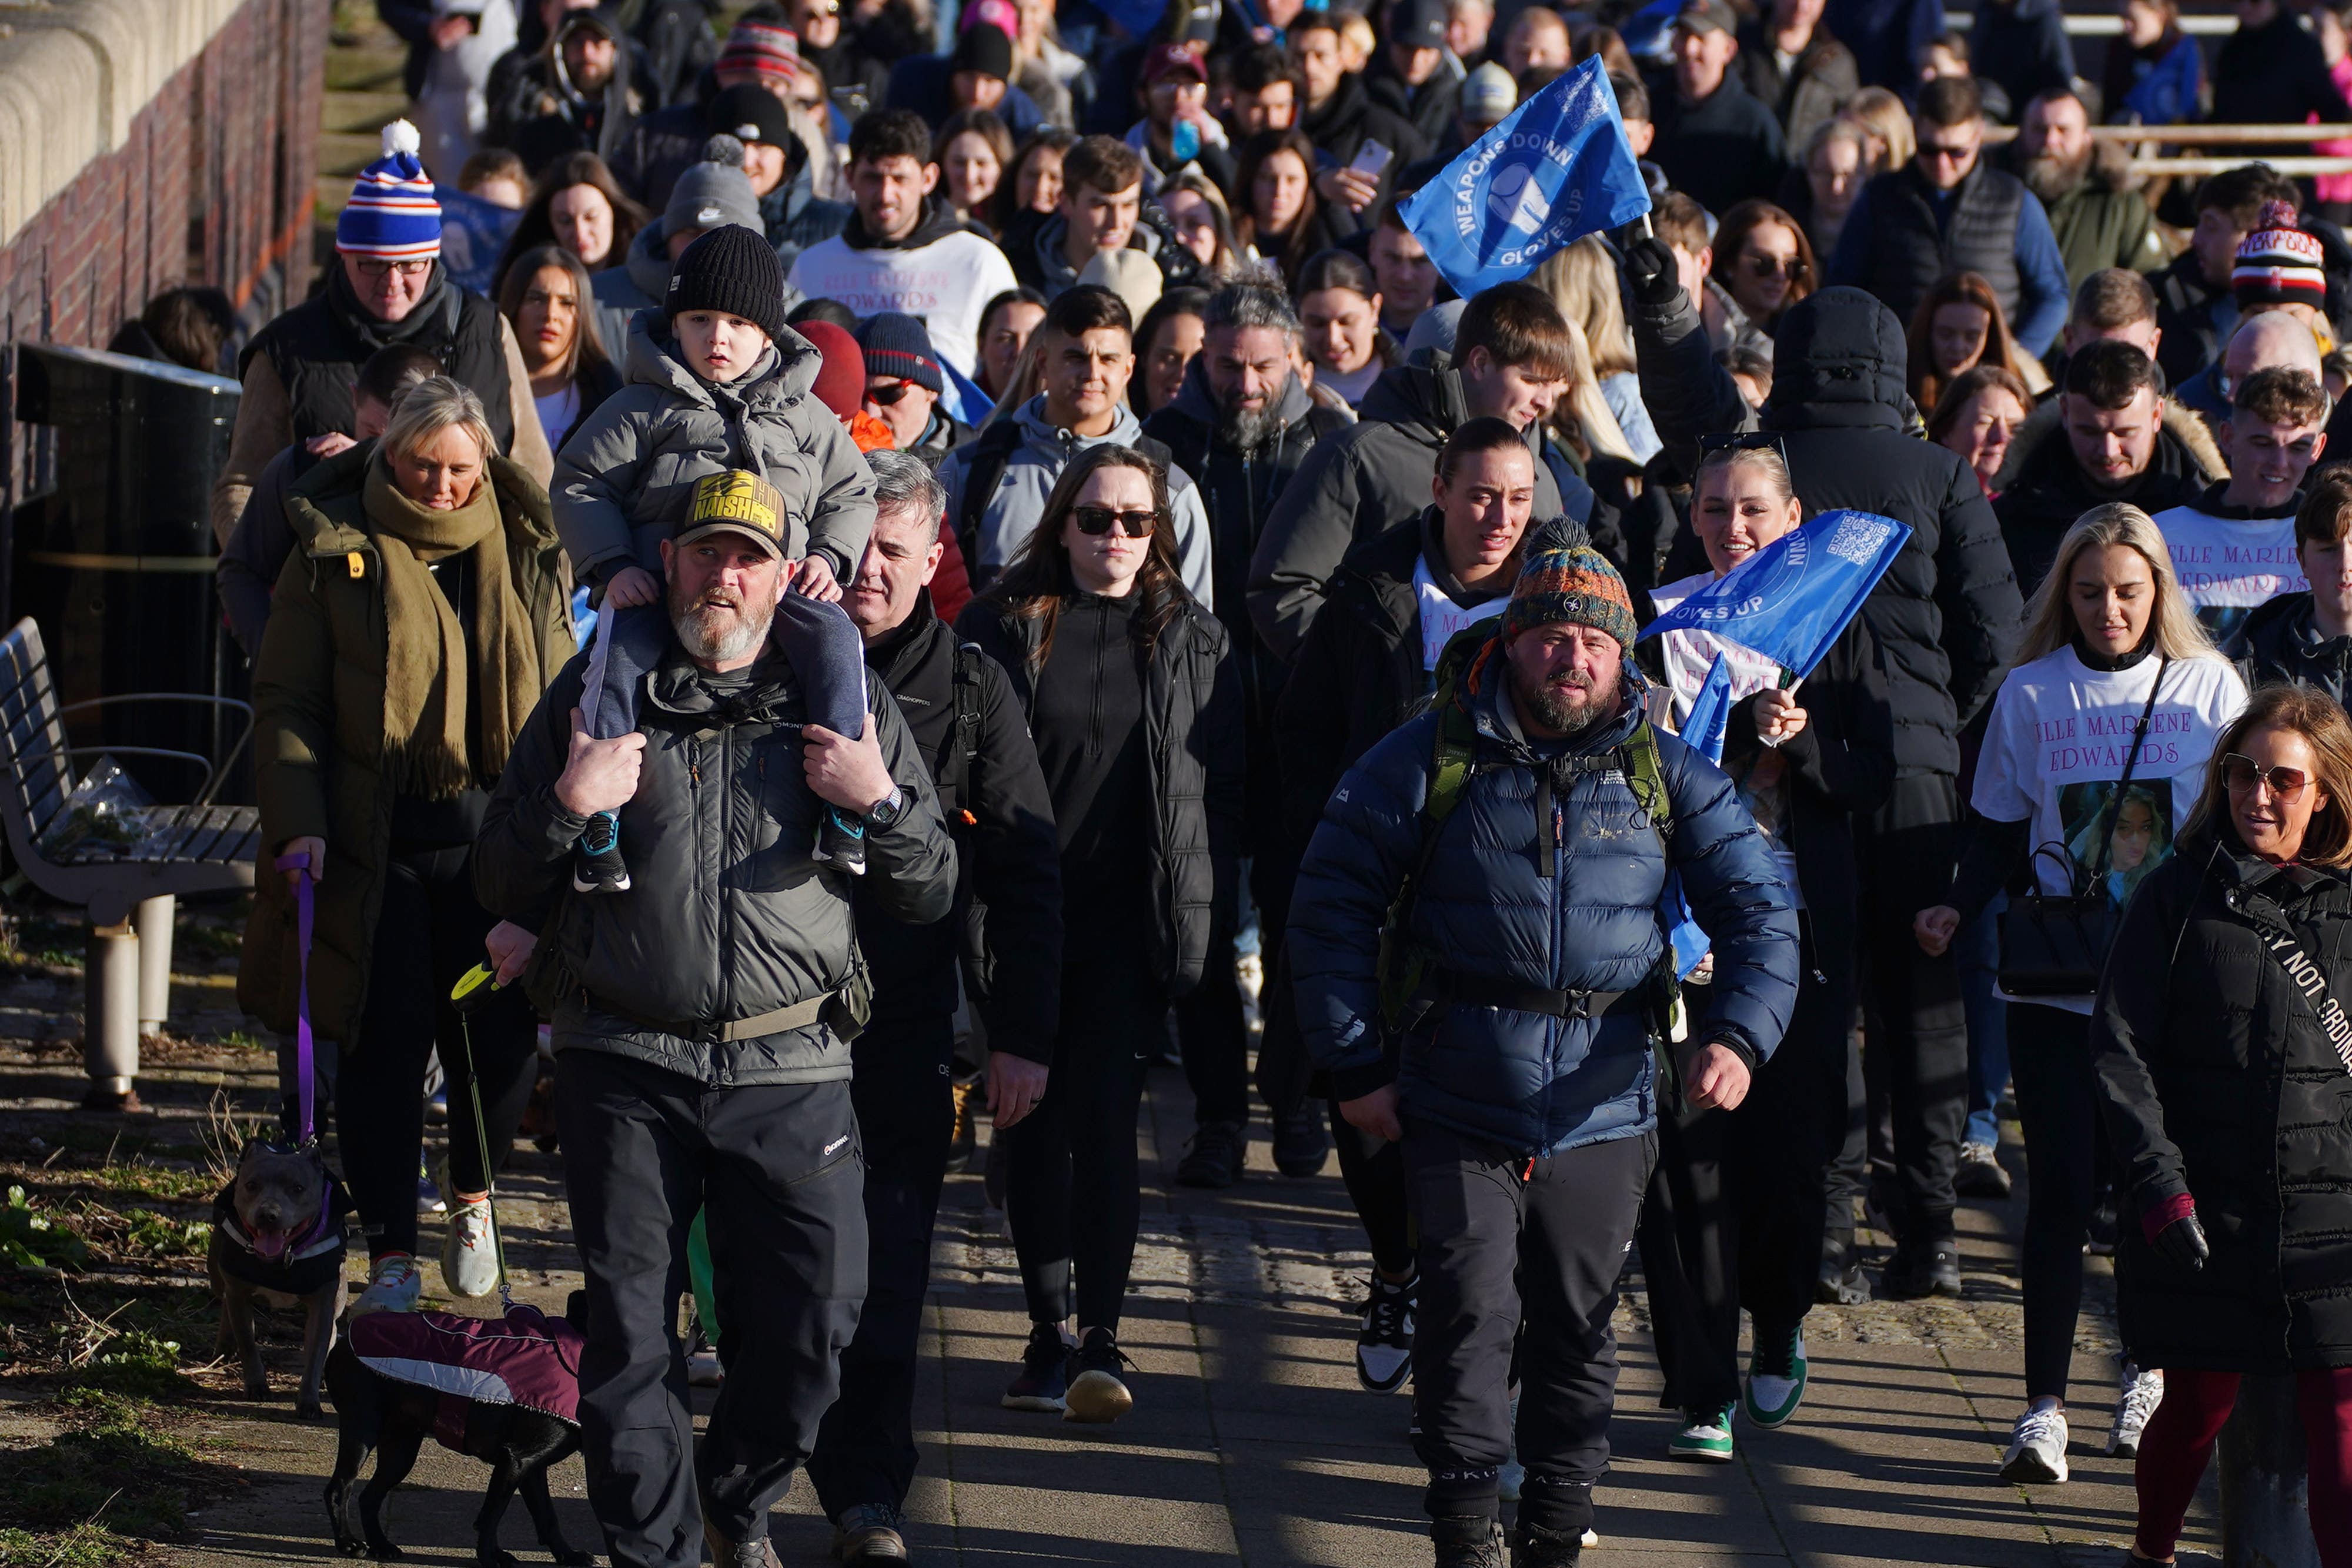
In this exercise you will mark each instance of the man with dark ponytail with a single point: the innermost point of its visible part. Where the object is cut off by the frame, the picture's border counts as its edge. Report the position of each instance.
(1487, 876)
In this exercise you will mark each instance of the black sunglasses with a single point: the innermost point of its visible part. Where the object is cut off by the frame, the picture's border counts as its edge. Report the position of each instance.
(1100, 520)
(1745, 441)
(890, 395)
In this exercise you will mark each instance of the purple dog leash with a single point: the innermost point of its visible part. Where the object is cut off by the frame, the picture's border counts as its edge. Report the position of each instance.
(303, 915)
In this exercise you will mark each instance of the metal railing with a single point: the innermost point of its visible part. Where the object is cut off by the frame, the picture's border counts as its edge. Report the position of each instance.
(2198, 161)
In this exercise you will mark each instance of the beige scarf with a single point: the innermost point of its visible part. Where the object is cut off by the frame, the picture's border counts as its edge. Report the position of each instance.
(425, 669)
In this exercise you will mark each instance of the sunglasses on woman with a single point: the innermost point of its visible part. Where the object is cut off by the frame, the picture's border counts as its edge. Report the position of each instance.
(2241, 774)
(1097, 521)
(1774, 267)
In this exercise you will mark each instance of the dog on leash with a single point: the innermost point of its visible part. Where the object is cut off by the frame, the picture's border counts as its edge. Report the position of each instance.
(278, 1240)
(503, 1390)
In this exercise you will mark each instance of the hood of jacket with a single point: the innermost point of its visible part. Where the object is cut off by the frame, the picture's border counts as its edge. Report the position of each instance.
(788, 370)
(1837, 360)
(1195, 401)
(648, 263)
(938, 222)
(1424, 402)
(1339, 113)
(1041, 436)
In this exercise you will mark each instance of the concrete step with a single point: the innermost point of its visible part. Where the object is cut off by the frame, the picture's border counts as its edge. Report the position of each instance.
(357, 113)
(369, 68)
(346, 152)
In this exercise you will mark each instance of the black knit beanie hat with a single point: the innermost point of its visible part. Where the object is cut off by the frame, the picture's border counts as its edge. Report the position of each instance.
(731, 268)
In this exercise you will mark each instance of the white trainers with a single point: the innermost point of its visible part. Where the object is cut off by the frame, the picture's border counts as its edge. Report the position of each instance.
(2142, 1393)
(2037, 1448)
(394, 1285)
(469, 1250)
(1513, 1475)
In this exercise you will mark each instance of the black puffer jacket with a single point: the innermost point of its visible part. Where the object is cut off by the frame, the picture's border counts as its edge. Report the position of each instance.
(1009, 883)
(2219, 1085)
(2281, 641)
(727, 917)
(1193, 739)
(1946, 613)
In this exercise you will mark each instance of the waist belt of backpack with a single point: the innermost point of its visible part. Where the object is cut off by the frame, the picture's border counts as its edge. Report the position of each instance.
(709, 1031)
(1440, 985)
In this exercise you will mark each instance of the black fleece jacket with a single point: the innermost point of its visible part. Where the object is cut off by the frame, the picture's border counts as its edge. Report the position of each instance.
(2051, 491)
(1008, 916)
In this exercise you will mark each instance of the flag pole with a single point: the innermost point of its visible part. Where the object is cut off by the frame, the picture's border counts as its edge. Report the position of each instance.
(1647, 232)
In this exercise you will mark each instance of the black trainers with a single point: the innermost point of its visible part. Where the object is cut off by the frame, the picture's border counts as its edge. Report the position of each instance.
(1841, 1283)
(1097, 1392)
(840, 842)
(1930, 1268)
(1216, 1159)
(1040, 1384)
(1301, 1141)
(1384, 1344)
(1470, 1541)
(1540, 1548)
(596, 862)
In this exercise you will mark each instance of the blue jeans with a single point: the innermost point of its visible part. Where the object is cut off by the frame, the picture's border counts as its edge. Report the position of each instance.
(1978, 947)
(819, 641)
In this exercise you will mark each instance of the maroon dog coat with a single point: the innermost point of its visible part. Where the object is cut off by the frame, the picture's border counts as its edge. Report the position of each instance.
(524, 1358)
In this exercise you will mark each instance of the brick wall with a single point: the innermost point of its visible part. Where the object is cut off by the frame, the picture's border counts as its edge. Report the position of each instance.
(209, 180)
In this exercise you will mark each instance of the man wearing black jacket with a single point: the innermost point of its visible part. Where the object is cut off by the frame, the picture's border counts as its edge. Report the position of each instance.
(1945, 616)
(970, 734)
(1241, 424)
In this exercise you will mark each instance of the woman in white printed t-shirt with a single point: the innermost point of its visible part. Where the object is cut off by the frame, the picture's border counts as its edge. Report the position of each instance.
(1738, 1202)
(2112, 647)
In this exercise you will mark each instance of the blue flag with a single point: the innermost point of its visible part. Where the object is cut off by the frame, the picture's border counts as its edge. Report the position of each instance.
(964, 400)
(1558, 168)
(1703, 727)
(1790, 600)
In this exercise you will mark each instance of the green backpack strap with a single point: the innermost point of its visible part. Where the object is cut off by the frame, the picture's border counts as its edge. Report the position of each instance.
(1402, 962)
(1648, 781)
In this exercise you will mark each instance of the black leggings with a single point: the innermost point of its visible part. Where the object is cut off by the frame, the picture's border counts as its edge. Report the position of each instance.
(1073, 1196)
(428, 932)
(2050, 1063)
(1376, 1186)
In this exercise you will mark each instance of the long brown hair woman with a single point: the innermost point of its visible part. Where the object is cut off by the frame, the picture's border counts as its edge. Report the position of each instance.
(1958, 327)
(579, 206)
(420, 616)
(1135, 706)
(1280, 216)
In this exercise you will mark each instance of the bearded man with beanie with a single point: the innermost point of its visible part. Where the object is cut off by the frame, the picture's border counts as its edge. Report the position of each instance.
(1469, 846)
(387, 286)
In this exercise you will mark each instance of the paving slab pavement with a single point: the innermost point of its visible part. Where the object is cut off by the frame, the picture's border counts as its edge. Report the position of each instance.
(1251, 1442)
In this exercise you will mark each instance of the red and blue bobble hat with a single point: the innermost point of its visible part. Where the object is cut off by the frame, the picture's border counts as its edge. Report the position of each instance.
(2278, 263)
(394, 212)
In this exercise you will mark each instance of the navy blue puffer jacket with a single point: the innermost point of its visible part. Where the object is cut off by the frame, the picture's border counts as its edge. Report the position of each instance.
(1528, 1081)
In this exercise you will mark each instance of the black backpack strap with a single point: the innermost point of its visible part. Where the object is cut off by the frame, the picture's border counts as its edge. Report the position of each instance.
(963, 735)
(991, 451)
(1155, 450)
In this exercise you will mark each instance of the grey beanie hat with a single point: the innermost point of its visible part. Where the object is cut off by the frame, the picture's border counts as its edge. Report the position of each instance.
(1434, 331)
(713, 193)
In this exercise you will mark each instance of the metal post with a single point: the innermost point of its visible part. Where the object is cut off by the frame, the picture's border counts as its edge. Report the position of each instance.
(110, 1024)
(2265, 1522)
(153, 919)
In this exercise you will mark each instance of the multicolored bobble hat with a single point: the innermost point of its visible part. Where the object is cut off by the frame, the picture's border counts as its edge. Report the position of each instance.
(1564, 581)
(2278, 263)
(394, 212)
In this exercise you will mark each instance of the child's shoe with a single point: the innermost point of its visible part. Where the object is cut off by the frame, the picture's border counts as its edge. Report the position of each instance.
(841, 841)
(596, 863)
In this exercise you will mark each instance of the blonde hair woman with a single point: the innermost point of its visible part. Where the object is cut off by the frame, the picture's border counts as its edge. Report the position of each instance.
(1886, 123)
(1582, 281)
(2223, 1099)
(2096, 750)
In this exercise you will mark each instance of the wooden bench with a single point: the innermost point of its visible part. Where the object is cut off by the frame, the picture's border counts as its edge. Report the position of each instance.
(130, 893)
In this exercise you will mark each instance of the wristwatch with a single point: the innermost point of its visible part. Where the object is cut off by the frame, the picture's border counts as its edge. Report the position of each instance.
(884, 813)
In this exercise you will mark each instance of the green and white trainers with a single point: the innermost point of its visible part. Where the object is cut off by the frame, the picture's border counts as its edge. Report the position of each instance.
(1705, 1437)
(1776, 1381)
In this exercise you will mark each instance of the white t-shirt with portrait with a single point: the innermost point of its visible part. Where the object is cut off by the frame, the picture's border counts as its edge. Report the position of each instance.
(2054, 751)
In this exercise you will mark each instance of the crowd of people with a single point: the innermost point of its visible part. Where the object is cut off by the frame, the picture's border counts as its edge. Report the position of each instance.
(954, 558)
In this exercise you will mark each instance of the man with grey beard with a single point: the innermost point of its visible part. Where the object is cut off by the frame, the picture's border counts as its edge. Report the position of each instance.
(702, 1021)
(2099, 222)
(1240, 424)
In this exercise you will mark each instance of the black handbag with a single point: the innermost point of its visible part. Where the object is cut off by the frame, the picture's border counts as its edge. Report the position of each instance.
(2055, 945)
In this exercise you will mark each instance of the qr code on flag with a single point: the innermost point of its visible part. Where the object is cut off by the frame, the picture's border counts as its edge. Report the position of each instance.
(1857, 538)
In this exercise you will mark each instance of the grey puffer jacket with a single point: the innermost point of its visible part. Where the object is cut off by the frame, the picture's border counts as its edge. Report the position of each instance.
(726, 916)
(627, 472)
(1193, 739)
(1013, 513)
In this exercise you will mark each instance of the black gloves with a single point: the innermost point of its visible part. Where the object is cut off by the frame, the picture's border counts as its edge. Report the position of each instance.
(2182, 1244)
(1650, 268)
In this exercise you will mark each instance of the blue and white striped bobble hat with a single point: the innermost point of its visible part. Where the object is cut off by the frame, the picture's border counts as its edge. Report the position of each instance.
(394, 212)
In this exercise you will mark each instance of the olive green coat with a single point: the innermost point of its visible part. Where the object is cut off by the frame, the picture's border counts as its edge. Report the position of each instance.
(318, 699)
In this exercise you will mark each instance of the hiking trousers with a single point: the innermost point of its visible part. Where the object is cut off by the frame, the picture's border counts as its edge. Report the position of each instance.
(776, 1171)
(1506, 1241)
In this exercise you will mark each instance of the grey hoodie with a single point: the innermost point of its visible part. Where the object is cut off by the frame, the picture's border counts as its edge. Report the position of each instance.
(624, 475)
(1013, 513)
